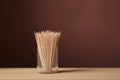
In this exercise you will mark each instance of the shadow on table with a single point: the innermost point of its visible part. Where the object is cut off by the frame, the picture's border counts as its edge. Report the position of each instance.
(74, 70)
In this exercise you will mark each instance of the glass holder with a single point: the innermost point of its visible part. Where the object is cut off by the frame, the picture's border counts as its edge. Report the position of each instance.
(47, 61)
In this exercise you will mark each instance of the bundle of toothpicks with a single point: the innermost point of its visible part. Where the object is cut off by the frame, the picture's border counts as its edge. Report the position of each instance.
(47, 42)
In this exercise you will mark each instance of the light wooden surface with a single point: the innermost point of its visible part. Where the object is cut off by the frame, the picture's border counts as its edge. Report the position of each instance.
(64, 74)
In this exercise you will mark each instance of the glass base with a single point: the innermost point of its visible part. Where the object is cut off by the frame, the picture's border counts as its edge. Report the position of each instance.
(41, 70)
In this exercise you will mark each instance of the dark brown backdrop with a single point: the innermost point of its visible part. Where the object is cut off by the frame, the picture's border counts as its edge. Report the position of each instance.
(90, 31)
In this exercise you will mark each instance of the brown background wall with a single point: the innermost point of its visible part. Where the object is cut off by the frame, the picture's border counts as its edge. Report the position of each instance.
(90, 31)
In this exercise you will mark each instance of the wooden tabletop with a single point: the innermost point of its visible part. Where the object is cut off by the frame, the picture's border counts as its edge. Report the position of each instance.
(64, 74)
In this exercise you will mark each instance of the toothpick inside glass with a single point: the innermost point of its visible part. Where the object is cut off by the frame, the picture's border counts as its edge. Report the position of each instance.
(47, 51)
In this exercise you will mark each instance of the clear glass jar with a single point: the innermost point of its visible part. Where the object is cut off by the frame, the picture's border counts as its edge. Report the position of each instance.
(47, 62)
